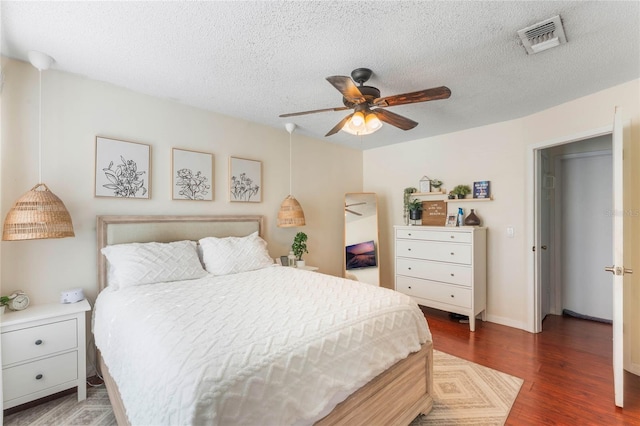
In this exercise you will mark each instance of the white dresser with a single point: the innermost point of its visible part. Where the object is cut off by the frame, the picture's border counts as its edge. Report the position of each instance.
(43, 352)
(443, 268)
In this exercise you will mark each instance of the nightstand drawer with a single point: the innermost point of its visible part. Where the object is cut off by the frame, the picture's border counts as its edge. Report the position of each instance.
(431, 250)
(426, 234)
(39, 375)
(42, 340)
(431, 290)
(445, 272)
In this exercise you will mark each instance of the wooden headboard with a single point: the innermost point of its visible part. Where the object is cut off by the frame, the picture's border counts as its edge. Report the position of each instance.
(164, 229)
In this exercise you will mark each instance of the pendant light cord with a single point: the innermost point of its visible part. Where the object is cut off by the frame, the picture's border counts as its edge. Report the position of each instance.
(290, 164)
(40, 129)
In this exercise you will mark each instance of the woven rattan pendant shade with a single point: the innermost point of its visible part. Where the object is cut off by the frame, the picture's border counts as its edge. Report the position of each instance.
(38, 214)
(290, 213)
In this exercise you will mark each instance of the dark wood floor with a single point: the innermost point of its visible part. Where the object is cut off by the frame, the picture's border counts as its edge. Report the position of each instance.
(567, 370)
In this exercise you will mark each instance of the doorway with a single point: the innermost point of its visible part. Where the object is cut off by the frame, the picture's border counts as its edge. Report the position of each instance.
(576, 232)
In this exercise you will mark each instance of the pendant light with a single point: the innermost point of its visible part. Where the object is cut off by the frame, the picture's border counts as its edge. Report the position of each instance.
(39, 213)
(290, 213)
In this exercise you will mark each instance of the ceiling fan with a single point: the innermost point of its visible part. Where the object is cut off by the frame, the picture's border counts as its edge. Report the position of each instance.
(348, 210)
(369, 107)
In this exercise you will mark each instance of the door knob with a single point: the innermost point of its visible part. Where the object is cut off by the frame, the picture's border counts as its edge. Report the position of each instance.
(543, 247)
(617, 270)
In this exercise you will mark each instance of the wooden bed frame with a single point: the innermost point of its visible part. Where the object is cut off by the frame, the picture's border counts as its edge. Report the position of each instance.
(395, 397)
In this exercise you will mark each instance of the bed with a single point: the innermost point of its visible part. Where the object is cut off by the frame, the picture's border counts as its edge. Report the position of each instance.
(199, 329)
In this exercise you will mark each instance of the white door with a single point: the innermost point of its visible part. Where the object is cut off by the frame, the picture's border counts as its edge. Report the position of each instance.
(618, 268)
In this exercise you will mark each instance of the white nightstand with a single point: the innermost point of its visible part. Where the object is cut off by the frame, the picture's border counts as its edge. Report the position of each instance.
(308, 268)
(43, 351)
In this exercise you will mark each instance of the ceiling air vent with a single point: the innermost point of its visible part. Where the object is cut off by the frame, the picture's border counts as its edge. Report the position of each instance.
(543, 35)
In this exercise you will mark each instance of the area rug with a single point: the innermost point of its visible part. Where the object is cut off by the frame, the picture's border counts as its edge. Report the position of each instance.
(464, 394)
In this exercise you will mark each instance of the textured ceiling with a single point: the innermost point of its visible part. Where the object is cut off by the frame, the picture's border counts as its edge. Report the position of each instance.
(256, 60)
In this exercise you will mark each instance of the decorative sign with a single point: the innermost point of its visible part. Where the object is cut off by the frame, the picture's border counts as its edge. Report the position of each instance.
(434, 213)
(482, 189)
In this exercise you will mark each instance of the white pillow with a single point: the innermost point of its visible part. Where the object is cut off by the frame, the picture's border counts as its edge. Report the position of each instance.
(231, 255)
(147, 263)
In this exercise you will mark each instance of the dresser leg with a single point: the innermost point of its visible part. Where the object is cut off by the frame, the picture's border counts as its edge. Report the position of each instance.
(472, 322)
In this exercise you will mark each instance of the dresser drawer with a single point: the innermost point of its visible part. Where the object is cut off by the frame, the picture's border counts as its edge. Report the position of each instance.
(431, 235)
(431, 250)
(42, 340)
(445, 272)
(23, 379)
(432, 290)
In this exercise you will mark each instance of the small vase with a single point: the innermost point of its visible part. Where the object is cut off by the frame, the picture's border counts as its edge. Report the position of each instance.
(461, 196)
(415, 214)
(472, 219)
(300, 264)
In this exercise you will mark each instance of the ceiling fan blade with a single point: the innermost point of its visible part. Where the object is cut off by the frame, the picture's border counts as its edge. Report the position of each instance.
(293, 114)
(338, 126)
(347, 87)
(433, 94)
(352, 212)
(394, 119)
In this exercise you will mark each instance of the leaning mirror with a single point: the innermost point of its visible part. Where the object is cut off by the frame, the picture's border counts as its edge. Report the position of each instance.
(361, 251)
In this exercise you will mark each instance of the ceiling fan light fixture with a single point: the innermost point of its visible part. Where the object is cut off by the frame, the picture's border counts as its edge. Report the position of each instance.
(357, 120)
(369, 125)
(373, 122)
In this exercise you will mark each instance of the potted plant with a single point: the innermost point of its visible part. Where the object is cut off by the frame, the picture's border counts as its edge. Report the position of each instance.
(415, 209)
(452, 195)
(406, 199)
(436, 183)
(461, 190)
(4, 301)
(299, 247)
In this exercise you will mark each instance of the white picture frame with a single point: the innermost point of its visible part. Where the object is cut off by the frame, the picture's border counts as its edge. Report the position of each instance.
(192, 175)
(245, 180)
(122, 169)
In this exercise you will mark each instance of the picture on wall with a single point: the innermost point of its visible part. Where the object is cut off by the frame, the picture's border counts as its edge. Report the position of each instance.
(122, 169)
(192, 175)
(482, 189)
(245, 180)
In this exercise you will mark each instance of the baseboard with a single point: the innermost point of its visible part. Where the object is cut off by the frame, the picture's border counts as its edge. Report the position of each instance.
(507, 321)
(633, 368)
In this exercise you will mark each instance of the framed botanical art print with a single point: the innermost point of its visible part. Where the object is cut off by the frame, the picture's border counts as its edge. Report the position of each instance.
(122, 169)
(245, 180)
(191, 175)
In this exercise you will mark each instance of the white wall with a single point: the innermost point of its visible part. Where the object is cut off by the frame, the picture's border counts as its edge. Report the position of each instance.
(76, 109)
(498, 152)
(585, 182)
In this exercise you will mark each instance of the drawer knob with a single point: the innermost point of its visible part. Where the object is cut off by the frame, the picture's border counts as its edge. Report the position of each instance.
(409, 234)
(452, 237)
(38, 342)
(453, 275)
(409, 268)
(39, 376)
(410, 250)
(452, 253)
(452, 295)
(409, 287)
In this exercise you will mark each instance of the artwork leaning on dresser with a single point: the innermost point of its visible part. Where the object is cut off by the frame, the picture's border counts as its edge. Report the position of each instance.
(443, 268)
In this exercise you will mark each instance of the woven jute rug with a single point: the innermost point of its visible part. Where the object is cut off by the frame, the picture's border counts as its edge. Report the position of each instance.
(464, 394)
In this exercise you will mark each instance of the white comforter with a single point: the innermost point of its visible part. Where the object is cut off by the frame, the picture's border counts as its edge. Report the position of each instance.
(273, 346)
